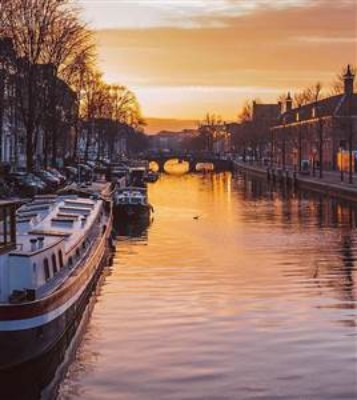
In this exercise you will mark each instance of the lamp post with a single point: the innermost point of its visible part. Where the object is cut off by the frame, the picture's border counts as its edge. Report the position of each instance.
(350, 143)
(341, 164)
(314, 152)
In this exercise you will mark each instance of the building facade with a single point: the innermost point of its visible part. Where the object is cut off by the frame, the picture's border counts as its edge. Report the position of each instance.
(55, 110)
(251, 137)
(319, 134)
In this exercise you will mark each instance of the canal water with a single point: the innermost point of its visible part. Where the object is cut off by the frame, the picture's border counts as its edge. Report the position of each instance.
(236, 290)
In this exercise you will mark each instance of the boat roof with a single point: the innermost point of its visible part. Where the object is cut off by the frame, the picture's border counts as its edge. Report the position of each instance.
(24, 245)
(132, 189)
(69, 220)
(6, 203)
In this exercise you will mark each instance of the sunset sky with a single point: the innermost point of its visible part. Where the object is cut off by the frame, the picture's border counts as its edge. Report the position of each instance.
(184, 58)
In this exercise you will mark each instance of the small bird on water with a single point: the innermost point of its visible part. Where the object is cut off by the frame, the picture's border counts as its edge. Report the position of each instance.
(196, 217)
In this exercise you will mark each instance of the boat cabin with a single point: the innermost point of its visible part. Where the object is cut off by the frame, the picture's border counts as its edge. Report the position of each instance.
(49, 241)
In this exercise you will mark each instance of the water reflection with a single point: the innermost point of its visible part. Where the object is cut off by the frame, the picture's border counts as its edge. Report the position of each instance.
(39, 379)
(137, 229)
(176, 166)
(254, 299)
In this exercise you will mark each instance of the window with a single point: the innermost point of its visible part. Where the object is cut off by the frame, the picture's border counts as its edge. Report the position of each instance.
(60, 258)
(46, 269)
(70, 262)
(77, 253)
(84, 245)
(54, 264)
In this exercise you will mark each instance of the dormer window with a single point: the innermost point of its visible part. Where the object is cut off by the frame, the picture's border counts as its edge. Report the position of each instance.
(297, 117)
(60, 257)
(54, 264)
(46, 269)
(314, 112)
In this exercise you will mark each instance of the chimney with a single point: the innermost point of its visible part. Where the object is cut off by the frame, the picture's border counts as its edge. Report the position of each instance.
(41, 241)
(288, 103)
(280, 104)
(33, 242)
(348, 79)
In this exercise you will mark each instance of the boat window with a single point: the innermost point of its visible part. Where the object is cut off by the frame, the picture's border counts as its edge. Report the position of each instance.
(60, 257)
(46, 268)
(54, 264)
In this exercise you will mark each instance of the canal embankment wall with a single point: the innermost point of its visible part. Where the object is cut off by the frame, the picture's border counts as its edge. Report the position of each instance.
(328, 185)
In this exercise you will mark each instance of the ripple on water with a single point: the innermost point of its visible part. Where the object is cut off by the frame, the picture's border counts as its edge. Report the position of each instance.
(254, 300)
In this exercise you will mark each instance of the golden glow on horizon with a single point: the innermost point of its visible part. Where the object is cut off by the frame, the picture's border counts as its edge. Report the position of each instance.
(192, 57)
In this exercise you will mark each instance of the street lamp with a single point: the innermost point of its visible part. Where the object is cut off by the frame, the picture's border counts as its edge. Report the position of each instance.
(341, 164)
(314, 152)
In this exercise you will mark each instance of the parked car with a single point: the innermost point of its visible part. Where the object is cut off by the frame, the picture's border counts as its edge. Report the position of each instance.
(305, 167)
(86, 172)
(48, 178)
(71, 172)
(91, 164)
(57, 175)
(26, 184)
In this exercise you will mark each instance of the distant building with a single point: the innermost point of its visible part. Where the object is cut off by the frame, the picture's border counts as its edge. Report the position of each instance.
(318, 132)
(170, 141)
(265, 114)
(252, 136)
(12, 127)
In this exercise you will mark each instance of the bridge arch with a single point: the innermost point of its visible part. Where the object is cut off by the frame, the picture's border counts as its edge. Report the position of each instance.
(154, 166)
(219, 164)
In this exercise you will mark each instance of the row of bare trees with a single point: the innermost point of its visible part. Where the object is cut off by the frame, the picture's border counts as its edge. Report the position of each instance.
(210, 130)
(50, 56)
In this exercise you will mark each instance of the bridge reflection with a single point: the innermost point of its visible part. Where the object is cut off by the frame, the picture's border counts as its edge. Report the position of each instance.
(191, 162)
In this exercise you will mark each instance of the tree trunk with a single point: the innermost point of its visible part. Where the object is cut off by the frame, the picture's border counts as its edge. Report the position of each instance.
(45, 149)
(283, 152)
(54, 146)
(76, 136)
(321, 151)
(2, 103)
(300, 149)
(30, 129)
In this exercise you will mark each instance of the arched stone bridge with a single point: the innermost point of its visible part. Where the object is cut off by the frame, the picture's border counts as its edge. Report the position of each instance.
(220, 164)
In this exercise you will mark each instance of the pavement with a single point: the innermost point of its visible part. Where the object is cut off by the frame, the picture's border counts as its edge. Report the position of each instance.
(330, 182)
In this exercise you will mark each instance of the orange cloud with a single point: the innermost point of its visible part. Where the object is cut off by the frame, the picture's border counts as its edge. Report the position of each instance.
(267, 49)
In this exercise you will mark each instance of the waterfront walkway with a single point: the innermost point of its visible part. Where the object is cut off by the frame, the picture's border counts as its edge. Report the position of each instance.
(330, 184)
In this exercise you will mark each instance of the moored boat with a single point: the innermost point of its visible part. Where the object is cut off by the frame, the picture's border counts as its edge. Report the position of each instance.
(131, 204)
(51, 255)
(151, 176)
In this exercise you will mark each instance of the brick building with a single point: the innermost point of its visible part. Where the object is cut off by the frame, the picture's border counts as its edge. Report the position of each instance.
(318, 133)
(252, 136)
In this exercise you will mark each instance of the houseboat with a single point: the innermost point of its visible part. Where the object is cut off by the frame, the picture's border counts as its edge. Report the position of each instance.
(131, 204)
(51, 254)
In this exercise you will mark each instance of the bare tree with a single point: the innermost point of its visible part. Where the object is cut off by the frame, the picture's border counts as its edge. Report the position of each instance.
(337, 85)
(313, 95)
(46, 35)
(75, 75)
